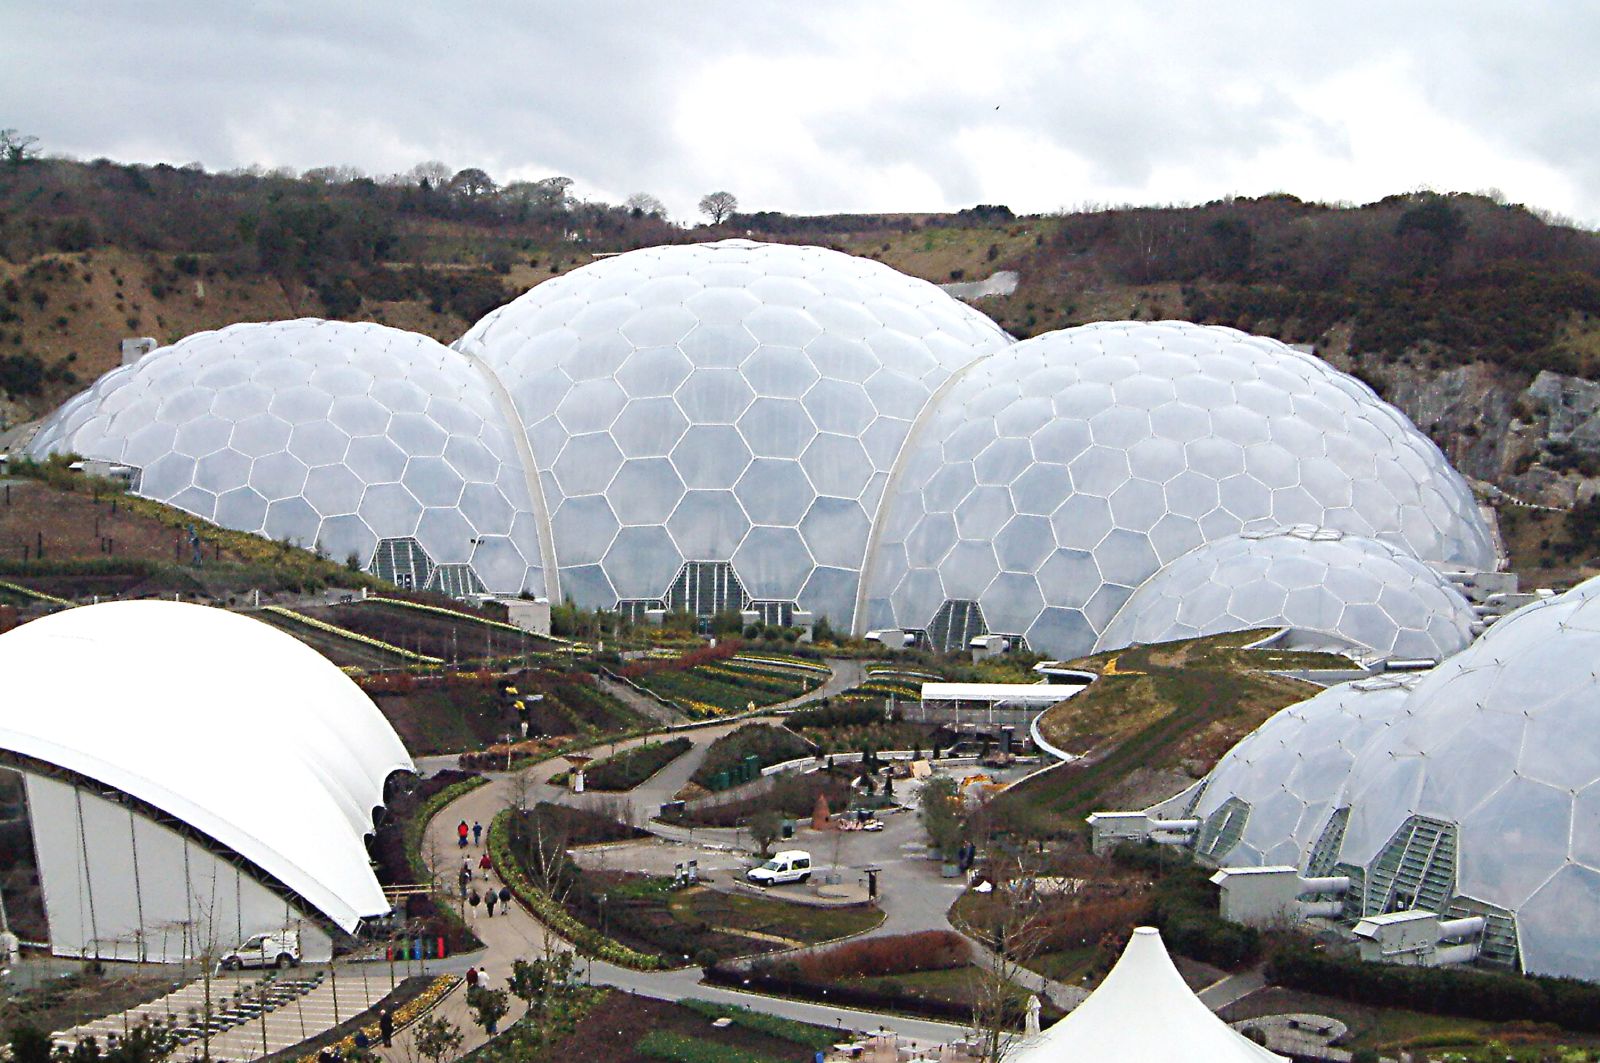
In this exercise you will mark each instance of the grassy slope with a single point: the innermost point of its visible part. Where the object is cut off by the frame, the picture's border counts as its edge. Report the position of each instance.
(1157, 718)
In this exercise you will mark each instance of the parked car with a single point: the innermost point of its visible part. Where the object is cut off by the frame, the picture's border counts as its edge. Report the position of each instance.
(281, 949)
(791, 865)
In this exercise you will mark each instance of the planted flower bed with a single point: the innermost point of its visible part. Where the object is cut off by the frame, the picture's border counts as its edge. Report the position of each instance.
(728, 755)
(353, 636)
(633, 766)
(714, 691)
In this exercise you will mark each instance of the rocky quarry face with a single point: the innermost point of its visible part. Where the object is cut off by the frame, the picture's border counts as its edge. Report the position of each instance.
(1537, 442)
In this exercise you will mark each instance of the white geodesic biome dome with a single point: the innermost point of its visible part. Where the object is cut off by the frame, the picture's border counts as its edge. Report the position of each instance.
(1267, 800)
(1485, 798)
(1329, 590)
(1055, 476)
(357, 439)
(713, 424)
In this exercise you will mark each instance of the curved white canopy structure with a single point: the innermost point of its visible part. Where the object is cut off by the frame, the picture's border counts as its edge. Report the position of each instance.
(1143, 1013)
(218, 721)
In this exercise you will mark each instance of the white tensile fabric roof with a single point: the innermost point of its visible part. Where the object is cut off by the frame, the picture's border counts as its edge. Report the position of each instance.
(1000, 693)
(220, 721)
(1143, 1013)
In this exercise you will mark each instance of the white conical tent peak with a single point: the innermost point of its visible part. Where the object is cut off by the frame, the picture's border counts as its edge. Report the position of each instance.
(1143, 1012)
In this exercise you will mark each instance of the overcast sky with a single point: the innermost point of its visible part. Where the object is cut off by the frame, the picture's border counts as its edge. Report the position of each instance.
(819, 106)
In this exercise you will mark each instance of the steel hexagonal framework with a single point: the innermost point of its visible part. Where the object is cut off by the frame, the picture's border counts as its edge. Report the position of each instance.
(330, 435)
(1331, 590)
(748, 398)
(852, 441)
(1159, 438)
(1499, 744)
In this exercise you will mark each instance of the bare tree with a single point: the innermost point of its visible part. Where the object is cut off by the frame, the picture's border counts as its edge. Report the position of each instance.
(1013, 936)
(718, 206)
(644, 205)
(17, 149)
(434, 172)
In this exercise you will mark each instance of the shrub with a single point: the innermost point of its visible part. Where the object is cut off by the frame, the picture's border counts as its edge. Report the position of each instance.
(769, 744)
(1475, 994)
(633, 766)
(927, 950)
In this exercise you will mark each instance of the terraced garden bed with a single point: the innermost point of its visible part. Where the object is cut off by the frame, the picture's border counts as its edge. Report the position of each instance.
(449, 715)
(457, 636)
(724, 688)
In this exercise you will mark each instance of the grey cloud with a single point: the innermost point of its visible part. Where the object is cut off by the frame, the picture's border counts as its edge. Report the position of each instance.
(593, 93)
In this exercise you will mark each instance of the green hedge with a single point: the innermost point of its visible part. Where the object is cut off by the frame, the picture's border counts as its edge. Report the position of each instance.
(587, 940)
(767, 743)
(676, 1048)
(815, 1038)
(417, 827)
(1474, 994)
(633, 766)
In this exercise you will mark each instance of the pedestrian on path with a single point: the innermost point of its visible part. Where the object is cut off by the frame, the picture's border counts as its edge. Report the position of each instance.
(485, 865)
(461, 833)
(489, 899)
(472, 978)
(505, 897)
(477, 833)
(466, 880)
(386, 1027)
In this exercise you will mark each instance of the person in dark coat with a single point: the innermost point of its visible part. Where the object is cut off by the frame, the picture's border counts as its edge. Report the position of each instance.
(386, 1027)
(477, 833)
(489, 899)
(472, 977)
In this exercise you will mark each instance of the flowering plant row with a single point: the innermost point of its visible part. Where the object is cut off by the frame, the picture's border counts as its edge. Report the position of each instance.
(456, 614)
(785, 662)
(404, 1015)
(29, 592)
(353, 636)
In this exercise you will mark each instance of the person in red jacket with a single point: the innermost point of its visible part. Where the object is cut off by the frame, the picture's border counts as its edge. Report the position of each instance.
(461, 833)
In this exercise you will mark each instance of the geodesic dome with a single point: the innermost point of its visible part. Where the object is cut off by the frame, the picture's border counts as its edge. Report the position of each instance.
(359, 439)
(1331, 590)
(1267, 799)
(713, 424)
(1486, 797)
(1054, 477)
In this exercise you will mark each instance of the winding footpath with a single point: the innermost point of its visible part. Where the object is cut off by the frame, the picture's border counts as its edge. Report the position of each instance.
(514, 934)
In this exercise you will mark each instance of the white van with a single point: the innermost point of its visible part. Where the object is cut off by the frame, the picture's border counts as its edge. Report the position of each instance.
(792, 865)
(265, 950)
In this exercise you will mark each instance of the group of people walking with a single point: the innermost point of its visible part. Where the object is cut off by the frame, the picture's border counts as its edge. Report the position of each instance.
(490, 896)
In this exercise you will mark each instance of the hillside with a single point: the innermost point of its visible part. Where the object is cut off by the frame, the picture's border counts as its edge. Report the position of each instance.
(1158, 718)
(1480, 319)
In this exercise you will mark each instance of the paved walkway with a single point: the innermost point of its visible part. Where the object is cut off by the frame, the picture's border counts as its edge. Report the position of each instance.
(913, 894)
